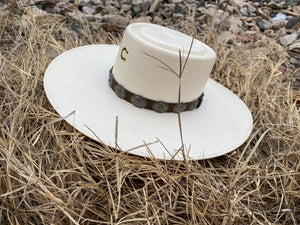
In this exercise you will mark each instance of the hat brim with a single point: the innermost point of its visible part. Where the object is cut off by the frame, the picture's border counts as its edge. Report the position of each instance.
(77, 81)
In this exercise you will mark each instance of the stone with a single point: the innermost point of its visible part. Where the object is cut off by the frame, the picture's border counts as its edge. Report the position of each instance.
(96, 2)
(88, 10)
(263, 25)
(69, 33)
(288, 39)
(236, 24)
(224, 25)
(278, 25)
(142, 20)
(201, 3)
(251, 9)
(265, 11)
(223, 6)
(95, 25)
(37, 13)
(126, 8)
(116, 20)
(239, 3)
(83, 3)
(109, 9)
(244, 11)
(226, 37)
(165, 14)
(49, 10)
(279, 17)
(144, 6)
(179, 9)
(210, 11)
(136, 10)
(154, 6)
(274, 5)
(230, 9)
(292, 22)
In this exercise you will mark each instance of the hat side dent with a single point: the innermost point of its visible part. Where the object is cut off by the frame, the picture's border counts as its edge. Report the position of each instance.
(141, 74)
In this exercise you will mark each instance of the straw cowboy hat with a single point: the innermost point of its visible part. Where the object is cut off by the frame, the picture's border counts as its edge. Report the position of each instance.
(138, 83)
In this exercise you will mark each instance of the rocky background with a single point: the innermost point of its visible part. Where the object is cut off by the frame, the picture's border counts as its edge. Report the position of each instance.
(232, 20)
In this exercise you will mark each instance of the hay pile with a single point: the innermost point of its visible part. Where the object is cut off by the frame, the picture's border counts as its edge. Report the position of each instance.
(52, 174)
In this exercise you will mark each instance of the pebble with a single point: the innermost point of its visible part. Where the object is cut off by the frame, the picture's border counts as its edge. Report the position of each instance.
(263, 25)
(279, 17)
(179, 9)
(109, 9)
(292, 22)
(126, 8)
(236, 20)
(278, 25)
(251, 9)
(116, 20)
(88, 10)
(244, 11)
(144, 6)
(288, 39)
(154, 5)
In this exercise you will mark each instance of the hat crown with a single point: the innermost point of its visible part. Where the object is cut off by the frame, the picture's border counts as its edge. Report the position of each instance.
(146, 54)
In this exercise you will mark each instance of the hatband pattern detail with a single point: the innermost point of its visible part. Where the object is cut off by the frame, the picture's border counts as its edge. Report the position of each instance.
(142, 102)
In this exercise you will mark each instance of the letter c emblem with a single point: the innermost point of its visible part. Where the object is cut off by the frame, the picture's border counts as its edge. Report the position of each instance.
(124, 53)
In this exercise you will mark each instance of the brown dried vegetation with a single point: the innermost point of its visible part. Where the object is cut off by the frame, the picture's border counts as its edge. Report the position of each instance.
(52, 174)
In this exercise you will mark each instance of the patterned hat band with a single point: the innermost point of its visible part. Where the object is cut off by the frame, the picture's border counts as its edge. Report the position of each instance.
(142, 102)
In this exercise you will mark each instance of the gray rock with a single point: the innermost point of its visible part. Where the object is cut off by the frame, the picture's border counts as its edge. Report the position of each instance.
(95, 2)
(179, 9)
(278, 25)
(223, 6)
(142, 20)
(201, 3)
(88, 10)
(235, 24)
(279, 17)
(116, 20)
(144, 6)
(244, 11)
(136, 9)
(292, 22)
(288, 39)
(264, 25)
(210, 11)
(83, 3)
(95, 25)
(251, 9)
(154, 5)
(165, 14)
(109, 9)
(126, 7)
(69, 33)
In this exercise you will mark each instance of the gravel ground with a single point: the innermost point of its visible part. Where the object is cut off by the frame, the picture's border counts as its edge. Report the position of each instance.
(232, 20)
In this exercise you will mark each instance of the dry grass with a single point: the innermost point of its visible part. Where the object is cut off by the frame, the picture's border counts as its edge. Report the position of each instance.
(52, 174)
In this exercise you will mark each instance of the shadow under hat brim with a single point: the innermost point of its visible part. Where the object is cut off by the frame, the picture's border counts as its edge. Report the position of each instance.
(77, 81)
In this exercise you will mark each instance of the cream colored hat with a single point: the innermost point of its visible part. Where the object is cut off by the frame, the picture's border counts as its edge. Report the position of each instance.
(137, 83)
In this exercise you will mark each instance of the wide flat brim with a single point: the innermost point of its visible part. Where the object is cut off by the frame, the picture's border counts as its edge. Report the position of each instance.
(77, 81)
